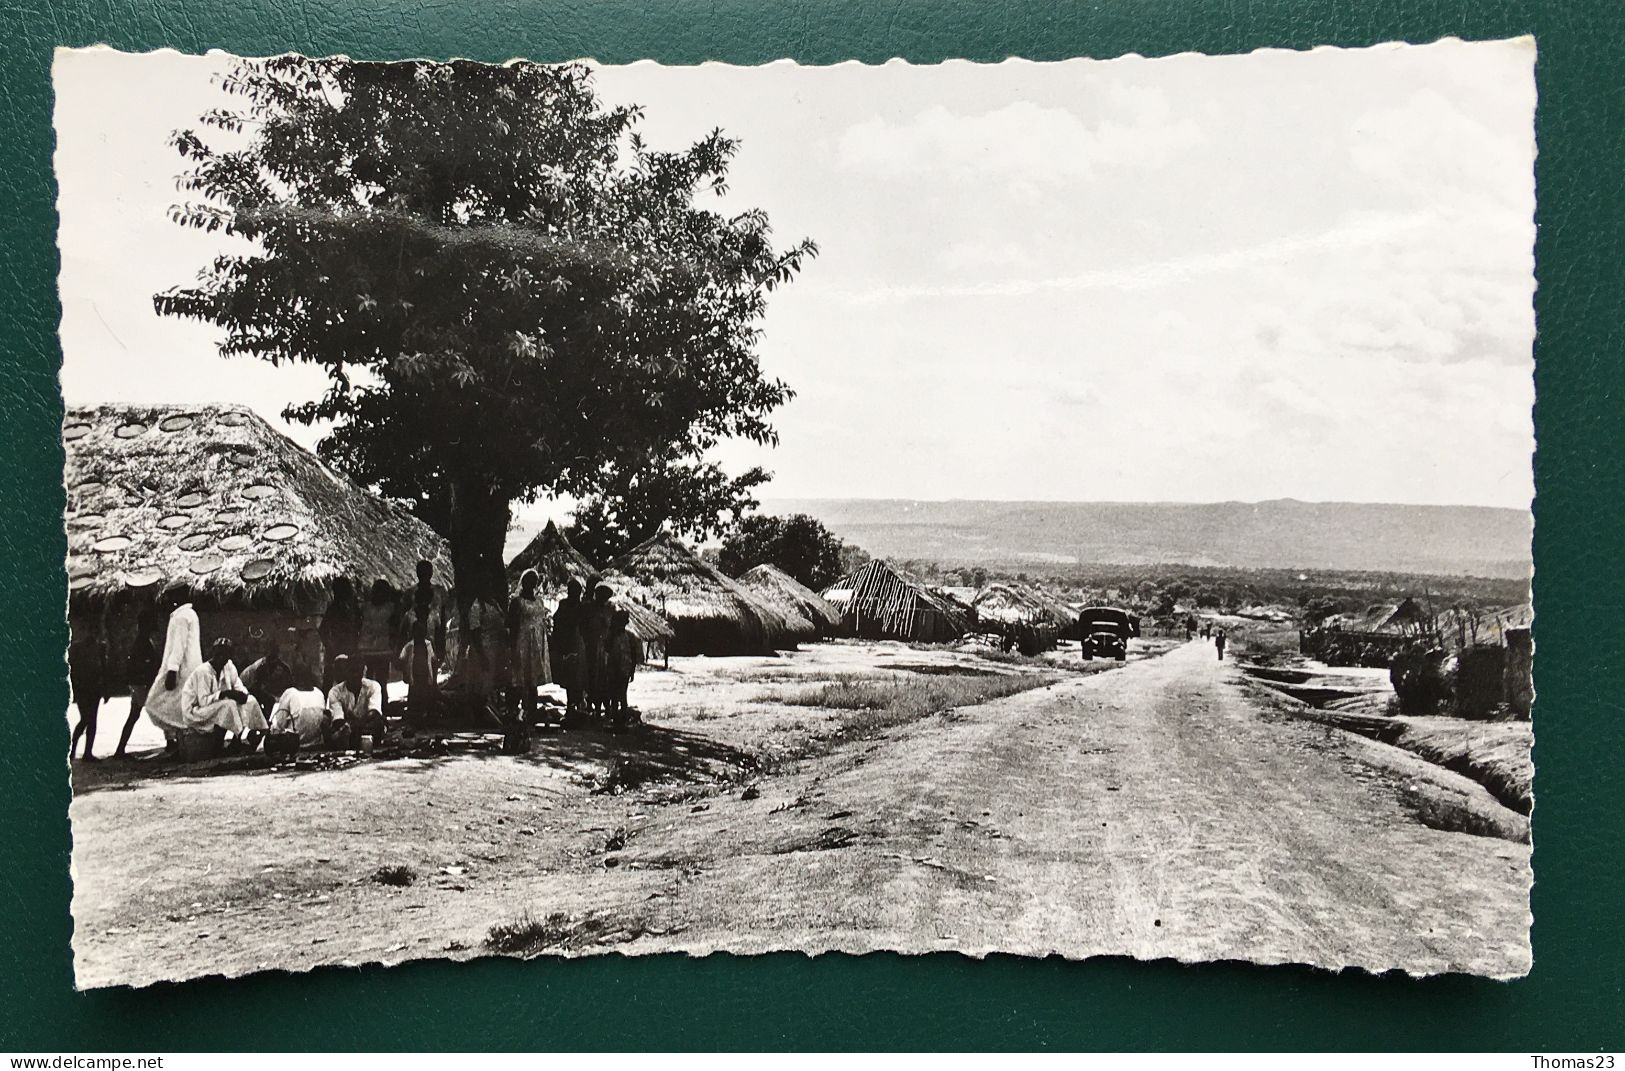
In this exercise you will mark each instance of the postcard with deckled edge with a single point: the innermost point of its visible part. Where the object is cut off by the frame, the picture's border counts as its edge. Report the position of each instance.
(1073, 508)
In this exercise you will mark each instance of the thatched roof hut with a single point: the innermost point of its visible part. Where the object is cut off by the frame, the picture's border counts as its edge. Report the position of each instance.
(775, 585)
(554, 559)
(558, 563)
(709, 613)
(216, 497)
(878, 601)
(1018, 604)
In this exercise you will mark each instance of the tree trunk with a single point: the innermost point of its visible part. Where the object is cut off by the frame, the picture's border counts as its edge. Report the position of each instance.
(477, 531)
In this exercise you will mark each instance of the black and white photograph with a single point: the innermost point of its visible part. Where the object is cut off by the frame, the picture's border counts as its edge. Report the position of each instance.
(1073, 508)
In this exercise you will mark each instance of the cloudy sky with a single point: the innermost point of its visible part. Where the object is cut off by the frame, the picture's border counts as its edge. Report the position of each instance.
(1303, 275)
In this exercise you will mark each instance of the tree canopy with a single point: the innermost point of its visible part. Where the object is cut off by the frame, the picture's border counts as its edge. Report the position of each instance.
(693, 500)
(798, 544)
(511, 293)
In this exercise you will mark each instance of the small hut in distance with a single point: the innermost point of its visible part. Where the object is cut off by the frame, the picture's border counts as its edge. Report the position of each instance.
(1011, 609)
(775, 585)
(710, 613)
(558, 563)
(878, 602)
(555, 561)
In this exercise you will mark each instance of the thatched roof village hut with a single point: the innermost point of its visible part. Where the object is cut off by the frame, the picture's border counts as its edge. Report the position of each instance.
(1018, 604)
(214, 497)
(554, 559)
(877, 601)
(777, 586)
(558, 563)
(1015, 609)
(709, 613)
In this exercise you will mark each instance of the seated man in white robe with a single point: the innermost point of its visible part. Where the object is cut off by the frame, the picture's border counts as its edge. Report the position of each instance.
(356, 703)
(302, 709)
(214, 698)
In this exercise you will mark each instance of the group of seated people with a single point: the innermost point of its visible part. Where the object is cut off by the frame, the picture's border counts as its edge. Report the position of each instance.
(500, 660)
(302, 717)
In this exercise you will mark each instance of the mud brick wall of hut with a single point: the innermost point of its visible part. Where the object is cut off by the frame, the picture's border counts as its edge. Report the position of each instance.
(249, 628)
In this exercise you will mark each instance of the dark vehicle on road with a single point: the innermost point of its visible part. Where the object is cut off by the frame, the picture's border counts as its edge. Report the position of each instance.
(1105, 631)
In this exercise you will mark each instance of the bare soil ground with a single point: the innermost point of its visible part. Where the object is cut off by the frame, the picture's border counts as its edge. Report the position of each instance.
(1158, 810)
(1498, 755)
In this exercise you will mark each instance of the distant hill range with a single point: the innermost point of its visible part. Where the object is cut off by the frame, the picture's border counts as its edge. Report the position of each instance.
(1281, 534)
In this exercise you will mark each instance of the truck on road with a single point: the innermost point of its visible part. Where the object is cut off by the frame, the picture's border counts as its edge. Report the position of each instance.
(1105, 631)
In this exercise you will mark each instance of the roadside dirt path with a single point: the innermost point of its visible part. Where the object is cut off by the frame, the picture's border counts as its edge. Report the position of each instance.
(1156, 810)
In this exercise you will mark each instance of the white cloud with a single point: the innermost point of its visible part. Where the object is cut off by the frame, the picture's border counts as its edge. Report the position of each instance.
(1022, 143)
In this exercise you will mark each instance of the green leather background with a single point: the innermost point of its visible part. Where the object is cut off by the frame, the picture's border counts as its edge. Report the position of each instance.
(1573, 1000)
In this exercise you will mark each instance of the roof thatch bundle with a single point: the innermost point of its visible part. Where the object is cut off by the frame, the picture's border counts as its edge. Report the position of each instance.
(710, 613)
(1018, 604)
(217, 498)
(777, 586)
(878, 601)
(558, 563)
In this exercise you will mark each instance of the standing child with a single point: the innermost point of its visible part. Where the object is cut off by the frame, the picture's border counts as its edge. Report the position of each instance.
(568, 652)
(622, 656)
(528, 627)
(419, 669)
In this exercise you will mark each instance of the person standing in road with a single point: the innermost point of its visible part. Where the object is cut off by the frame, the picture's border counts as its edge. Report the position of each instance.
(1218, 643)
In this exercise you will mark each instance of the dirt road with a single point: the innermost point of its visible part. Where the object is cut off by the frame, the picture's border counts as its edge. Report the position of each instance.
(1151, 812)
(1160, 810)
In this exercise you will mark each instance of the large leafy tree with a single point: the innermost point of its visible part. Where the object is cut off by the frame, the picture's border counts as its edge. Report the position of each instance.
(799, 544)
(512, 294)
(692, 499)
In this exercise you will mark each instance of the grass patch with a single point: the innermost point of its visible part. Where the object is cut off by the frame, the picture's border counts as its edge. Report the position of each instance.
(1015, 658)
(871, 705)
(557, 932)
(399, 876)
(528, 934)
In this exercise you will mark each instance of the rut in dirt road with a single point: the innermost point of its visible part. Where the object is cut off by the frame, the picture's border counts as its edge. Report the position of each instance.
(1154, 811)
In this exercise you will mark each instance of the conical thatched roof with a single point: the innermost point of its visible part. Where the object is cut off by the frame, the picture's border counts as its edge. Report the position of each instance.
(216, 497)
(558, 563)
(552, 556)
(709, 612)
(775, 585)
(877, 600)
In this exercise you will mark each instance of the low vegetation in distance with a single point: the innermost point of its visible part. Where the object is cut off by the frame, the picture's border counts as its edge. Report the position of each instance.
(1157, 589)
